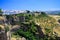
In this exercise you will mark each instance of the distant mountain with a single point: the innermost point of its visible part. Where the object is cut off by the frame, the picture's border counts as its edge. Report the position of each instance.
(53, 12)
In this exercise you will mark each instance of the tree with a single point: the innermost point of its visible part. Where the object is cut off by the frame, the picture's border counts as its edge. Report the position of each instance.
(37, 12)
(6, 29)
(0, 28)
(1, 12)
(28, 11)
(59, 20)
(44, 14)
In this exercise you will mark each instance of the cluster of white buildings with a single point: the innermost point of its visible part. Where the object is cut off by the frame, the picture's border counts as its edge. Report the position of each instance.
(17, 11)
(13, 11)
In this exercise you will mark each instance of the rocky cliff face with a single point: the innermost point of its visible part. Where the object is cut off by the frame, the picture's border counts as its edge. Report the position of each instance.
(3, 35)
(9, 20)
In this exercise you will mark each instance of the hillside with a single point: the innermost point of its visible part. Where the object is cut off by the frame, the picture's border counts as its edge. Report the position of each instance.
(41, 24)
(37, 26)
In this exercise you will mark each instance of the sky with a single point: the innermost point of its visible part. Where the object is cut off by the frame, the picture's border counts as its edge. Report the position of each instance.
(43, 5)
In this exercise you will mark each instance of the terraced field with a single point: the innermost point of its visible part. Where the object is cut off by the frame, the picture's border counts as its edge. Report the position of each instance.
(55, 16)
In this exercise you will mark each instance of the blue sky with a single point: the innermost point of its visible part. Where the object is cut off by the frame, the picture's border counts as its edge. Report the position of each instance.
(44, 5)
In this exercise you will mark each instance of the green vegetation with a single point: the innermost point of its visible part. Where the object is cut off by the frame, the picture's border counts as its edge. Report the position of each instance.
(38, 27)
(0, 28)
(1, 12)
(6, 29)
(27, 33)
